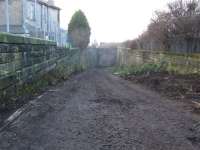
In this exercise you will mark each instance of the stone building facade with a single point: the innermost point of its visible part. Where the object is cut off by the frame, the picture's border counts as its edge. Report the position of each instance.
(35, 18)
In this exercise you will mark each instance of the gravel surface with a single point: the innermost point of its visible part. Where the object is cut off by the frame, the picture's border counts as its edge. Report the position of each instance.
(98, 111)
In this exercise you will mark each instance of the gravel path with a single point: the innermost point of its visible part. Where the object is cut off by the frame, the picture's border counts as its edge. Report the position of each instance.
(98, 111)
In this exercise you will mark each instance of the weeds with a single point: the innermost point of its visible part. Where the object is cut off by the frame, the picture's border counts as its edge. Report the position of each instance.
(17, 95)
(140, 69)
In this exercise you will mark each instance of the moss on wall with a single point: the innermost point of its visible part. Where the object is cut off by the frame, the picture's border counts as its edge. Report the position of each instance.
(28, 65)
(177, 62)
(14, 39)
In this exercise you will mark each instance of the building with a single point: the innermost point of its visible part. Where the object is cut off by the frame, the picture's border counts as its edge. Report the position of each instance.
(35, 18)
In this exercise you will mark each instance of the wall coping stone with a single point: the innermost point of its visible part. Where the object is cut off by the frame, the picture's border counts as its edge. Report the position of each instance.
(17, 39)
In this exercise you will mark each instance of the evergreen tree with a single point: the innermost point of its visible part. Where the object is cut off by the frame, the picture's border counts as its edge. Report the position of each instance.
(79, 30)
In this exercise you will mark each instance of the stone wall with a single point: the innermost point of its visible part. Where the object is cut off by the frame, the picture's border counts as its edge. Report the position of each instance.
(22, 59)
(101, 57)
(107, 57)
(179, 62)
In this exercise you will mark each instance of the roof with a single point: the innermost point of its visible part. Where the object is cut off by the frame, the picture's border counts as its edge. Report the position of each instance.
(48, 4)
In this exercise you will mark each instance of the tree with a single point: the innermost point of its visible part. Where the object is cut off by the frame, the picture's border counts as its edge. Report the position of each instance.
(178, 24)
(79, 30)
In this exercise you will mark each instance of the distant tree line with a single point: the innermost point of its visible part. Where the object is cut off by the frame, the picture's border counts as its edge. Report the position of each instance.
(177, 29)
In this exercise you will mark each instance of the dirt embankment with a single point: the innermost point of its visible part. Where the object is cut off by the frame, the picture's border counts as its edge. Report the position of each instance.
(176, 87)
(182, 88)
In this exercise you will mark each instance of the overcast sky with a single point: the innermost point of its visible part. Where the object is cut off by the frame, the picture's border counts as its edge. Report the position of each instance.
(112, 20)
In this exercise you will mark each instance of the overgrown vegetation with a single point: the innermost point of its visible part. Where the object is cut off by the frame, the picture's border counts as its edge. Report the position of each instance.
(140, 69)
(166, 81)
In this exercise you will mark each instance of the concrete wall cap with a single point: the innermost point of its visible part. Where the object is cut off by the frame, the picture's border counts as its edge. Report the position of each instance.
(16, 39)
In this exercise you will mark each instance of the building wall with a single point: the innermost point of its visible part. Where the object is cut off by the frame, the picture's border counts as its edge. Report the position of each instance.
(30, 17)
(42, 21)
(53, 23)
(37, 20)
(15, 9)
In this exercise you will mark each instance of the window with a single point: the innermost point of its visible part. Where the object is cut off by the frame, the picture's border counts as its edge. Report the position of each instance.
(31, 11)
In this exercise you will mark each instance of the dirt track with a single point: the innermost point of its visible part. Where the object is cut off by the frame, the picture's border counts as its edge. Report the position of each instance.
(98, 111)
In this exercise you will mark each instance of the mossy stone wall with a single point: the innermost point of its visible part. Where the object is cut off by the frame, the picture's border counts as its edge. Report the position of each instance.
(22, 59)
(177, 62)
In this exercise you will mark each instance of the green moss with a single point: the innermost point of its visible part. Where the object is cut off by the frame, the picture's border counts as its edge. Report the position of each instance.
(12, 96)
(11, 38)
(177, 62)
(25, 79)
